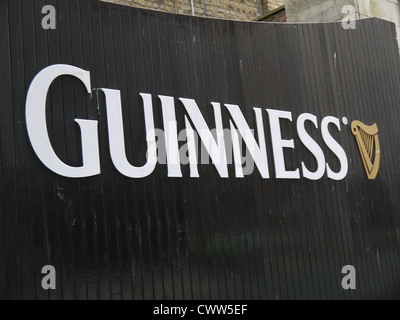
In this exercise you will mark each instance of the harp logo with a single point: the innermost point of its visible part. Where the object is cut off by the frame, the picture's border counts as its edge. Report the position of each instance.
(368, 144)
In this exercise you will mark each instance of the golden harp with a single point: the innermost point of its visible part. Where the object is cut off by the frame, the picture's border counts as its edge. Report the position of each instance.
(368, 141)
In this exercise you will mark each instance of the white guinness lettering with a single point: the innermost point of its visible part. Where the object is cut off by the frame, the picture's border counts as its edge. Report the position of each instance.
(213, 140)
(278, 144)
(311, 145)
(117, 140)
(259, 153)
(35, 114)
(335, 148)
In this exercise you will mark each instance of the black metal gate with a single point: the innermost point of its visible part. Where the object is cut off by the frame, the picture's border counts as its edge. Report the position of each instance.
(207, 238)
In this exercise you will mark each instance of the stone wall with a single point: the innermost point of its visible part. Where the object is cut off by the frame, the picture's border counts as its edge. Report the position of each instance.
(331, 10)
(384, 9)
(316, 10)
(272, 5)
(225, 9)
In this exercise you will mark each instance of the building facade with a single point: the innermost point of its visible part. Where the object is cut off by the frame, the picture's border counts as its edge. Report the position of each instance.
(224, 9)
(337, 10)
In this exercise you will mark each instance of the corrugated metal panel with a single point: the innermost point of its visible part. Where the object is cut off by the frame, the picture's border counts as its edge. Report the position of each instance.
(111, 237)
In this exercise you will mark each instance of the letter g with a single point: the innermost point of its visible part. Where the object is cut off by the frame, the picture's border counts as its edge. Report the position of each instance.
(35, 114)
